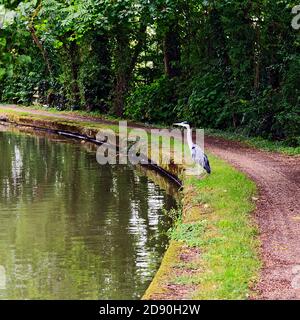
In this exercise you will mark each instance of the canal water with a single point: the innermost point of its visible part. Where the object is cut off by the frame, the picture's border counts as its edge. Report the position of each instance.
(73, 229)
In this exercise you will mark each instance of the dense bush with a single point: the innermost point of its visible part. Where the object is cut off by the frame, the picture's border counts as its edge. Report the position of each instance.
(153, 103)
(204, 102)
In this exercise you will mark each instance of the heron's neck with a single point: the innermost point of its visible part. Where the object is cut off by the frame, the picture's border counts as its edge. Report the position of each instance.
(189, 137)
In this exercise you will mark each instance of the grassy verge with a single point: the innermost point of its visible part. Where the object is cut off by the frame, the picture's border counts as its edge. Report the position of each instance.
(90, 114)
(59, 123)
(228, 237)
(216, 224)
(257, 142)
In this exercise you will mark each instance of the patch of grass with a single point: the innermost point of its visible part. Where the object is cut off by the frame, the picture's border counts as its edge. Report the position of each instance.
(187, 279)
(82, 113)
(190, 233)
(225, 240)
(88, 114)
(23, 115)
(257, 142)
(228, 241)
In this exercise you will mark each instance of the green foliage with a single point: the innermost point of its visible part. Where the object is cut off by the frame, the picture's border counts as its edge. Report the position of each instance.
(154, 102)
(224, 65)
(204, 103)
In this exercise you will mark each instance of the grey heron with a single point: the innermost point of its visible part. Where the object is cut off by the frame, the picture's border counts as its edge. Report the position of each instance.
(197, 153)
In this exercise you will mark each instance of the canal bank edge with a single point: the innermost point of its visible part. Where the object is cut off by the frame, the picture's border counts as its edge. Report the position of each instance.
(213, 252)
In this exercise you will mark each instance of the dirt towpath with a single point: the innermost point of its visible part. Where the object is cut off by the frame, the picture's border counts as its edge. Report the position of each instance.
(278, 214)
(278, 208)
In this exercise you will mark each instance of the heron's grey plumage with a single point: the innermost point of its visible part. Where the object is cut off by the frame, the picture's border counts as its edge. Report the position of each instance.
(201, 158)
(197, 153)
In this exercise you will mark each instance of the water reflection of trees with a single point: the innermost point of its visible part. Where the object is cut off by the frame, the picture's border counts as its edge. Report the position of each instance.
(70, 228)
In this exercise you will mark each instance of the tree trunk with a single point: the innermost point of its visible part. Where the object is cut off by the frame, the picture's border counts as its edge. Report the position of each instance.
(74, 54)
(36, 39)
(125, 60)
(121, 88)
(171, 48)
(70, 56)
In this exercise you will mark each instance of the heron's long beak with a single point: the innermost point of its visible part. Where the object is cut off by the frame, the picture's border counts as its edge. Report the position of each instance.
(177, 124)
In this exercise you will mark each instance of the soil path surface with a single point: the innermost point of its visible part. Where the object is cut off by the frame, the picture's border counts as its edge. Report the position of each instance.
(278, 208)
(278, 214)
